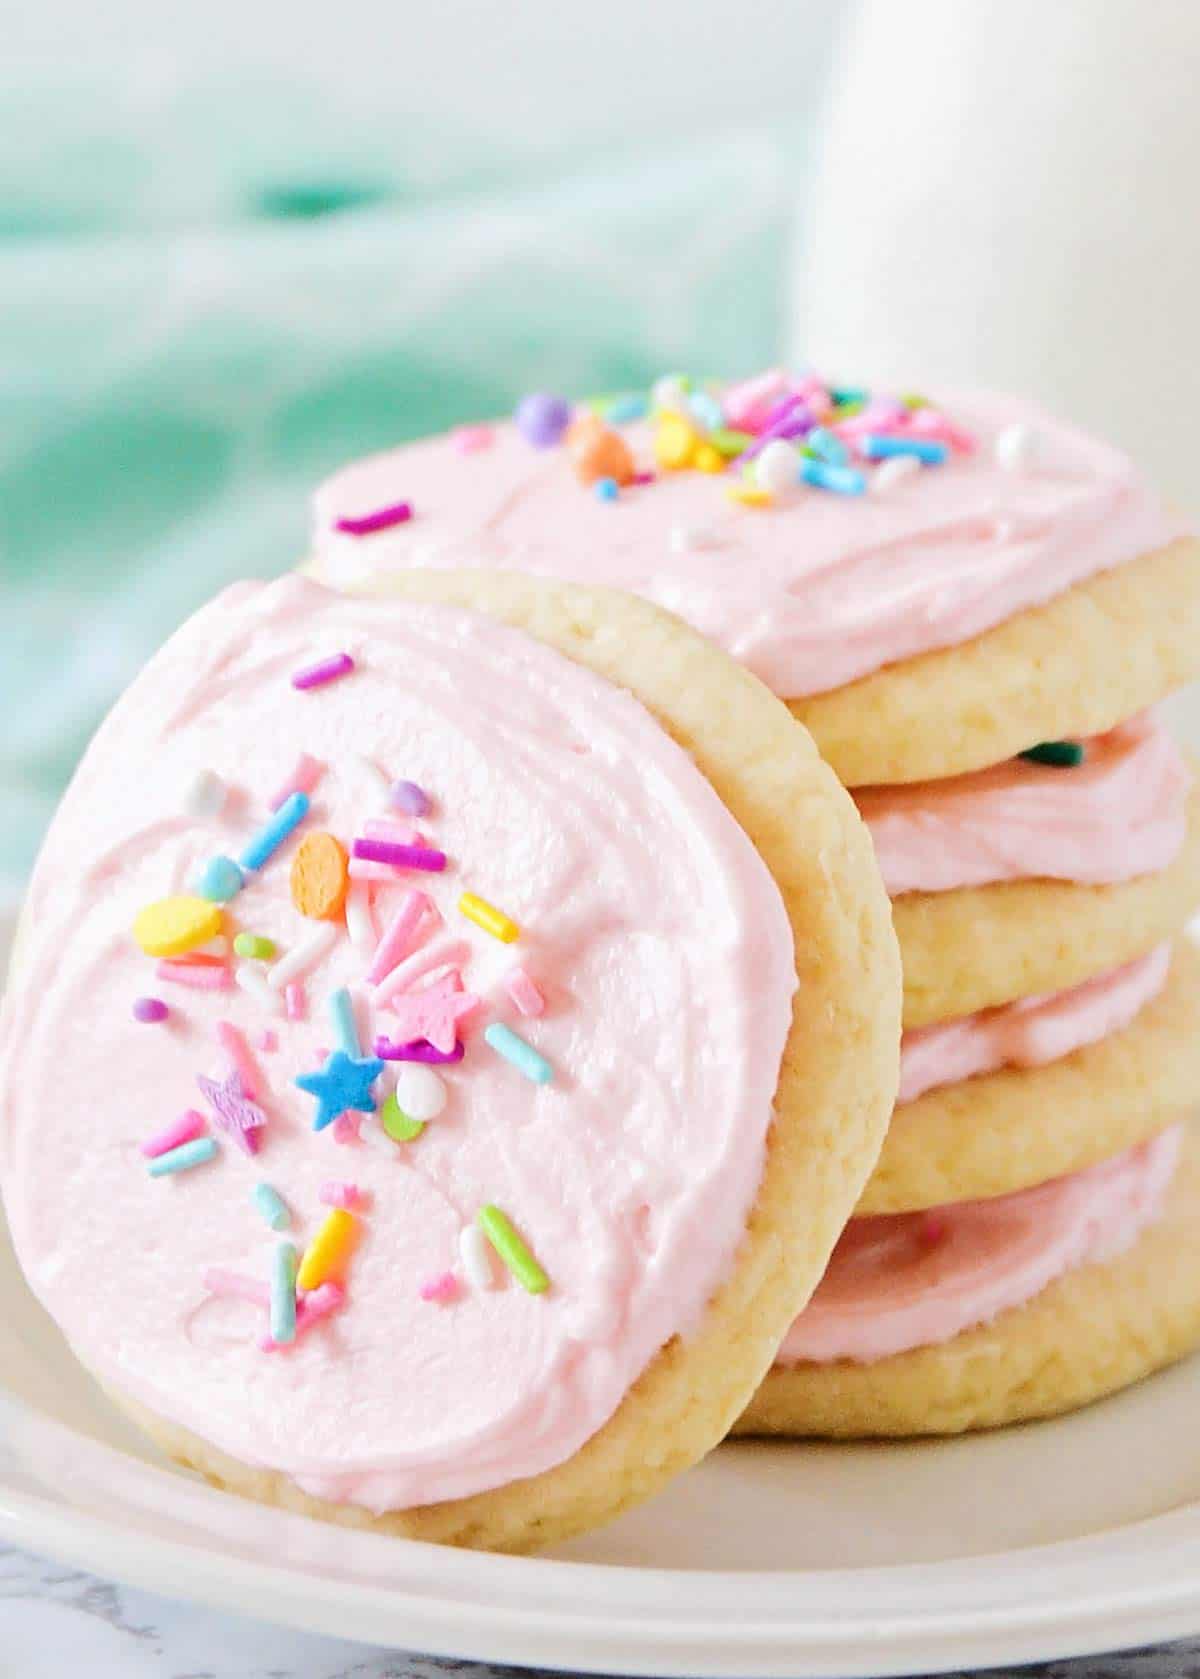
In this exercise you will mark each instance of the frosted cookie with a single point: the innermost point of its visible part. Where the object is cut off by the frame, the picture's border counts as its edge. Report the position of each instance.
(998, 1311)
(416, 1052)
(996, 1102)
(935, 583)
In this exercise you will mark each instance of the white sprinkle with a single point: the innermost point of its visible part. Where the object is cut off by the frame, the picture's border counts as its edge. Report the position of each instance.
(476, 1257)
(777, 468)
(252, 982)
(420, 1093)
(1018, 448)
(303, 956)
(205, 798)
(892, 472)
(668, 394)
(442, 953)
(360, 922)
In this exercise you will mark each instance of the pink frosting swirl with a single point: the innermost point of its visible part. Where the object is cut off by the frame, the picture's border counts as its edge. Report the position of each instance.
(903, 1280)
(652, 927)
(1119, 814)
(810, 593)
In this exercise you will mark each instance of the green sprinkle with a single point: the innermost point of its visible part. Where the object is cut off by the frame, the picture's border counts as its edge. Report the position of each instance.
(252, 944)
(914, 400)
(399, 1127)
(847, 410)
(730, 443)
(1060, 754)
(283, 1294)
(272, 1206)
(498, 1229)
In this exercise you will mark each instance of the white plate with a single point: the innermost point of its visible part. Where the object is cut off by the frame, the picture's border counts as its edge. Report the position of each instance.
(1058, 1539)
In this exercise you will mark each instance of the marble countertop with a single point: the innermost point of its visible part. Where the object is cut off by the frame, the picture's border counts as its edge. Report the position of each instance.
(59, 1623)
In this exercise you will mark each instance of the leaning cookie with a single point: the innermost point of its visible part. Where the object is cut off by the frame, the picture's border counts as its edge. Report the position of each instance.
(999, 1311)
(416, 1052)
(997, 1102)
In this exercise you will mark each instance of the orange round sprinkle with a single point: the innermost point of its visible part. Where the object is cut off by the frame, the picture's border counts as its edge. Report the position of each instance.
(320, 876)
(598, 452)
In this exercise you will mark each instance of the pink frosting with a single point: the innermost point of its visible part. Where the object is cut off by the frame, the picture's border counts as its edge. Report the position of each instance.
(1032, 1031)
(903, 1280)
(1121, 813)
(652, 926)
(810, 593)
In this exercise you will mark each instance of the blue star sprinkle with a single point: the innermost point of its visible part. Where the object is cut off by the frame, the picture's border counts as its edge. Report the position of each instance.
(344, 1082)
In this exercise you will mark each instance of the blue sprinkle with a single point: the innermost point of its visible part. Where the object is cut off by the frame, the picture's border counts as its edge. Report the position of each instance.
(827, 446)
(843, 480)
(634, 405)
(283, 1294)
(221, 880)
(522, 1055)
(272, 1206)
(341, 1007)
(705, 408)
(878, 448)
(606, 489)
(179, 1159)
(269, 838)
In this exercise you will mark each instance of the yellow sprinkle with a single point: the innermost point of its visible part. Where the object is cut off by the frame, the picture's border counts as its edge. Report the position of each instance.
(175, 925)
(487, 916)
(749, 495)
(674, 442)
(326, 1255)
(708, 459)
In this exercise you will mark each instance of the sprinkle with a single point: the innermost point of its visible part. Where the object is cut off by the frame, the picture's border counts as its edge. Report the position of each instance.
(271, 836)
(346, 1128)
(341, 1009)
(343, 1082)
(703, 406)
(827, 446)
(360, 921)
(1059, 754)
(283, 1294)
(500, 1233)
(231, 1285)
(777, 468)
(675, 442)
(730, 444)
(624, 409)
(238, 1051)
(272, 1206)
(934, 1227)
(468, 440)
(150, 1010)
(297, 1002)
(383, 518)
(413, 908)
(201, 976)
(892, 472)
(183, 1158)
(749, 495)
(418, 1049)
(606, 489)
(310, 1309)
(542, 418)
(880, 446)
(1017, 448)
(336, 1194)
(443, 953)
(433, 1012)
(843, 480)
(319, 877)
(255, 984)
(188, 1126)
(205, 798)
(173, 926)
(236, 1112)
(407, 796)
(303, 957)
(524, 992)
(221, 880)
(748, 403)
(254, 947)
(306, 773)
(400, 856)
(420, 1093)
(523, 1056)
(476, 1256)
(268, 1041)
(670, 392)
(440, 1289)
(326, 1254)
(399, 1126)
(487, 916)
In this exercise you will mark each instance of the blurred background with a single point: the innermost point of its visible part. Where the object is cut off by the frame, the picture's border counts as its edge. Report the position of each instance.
(240, 243)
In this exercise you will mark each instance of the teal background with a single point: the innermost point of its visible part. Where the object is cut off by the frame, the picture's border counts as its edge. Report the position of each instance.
(205, 308)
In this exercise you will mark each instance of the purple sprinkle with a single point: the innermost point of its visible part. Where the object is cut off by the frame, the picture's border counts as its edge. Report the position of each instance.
(315, 676)
(400, 856)
(542, 419)
(399, 513)
(788, 419)
(418, 1049)
(406, 795)
(150, 1009)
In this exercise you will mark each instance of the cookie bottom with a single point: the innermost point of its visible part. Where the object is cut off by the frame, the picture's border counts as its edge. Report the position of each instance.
(1093, 1331)
(1020, 1126)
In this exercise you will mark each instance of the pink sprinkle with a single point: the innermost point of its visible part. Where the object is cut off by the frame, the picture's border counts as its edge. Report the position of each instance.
(644, 477)
(524, 992)
(442, 1288)
(306, 772)
(185, 1129)
(442, 954)
(934, 1226)
(400, 856)
(310, 1309)
(296, 1000)
(201, 976)
(468, 440)
(929, 423)
(399, 513)
(327, 670)
(395, 943)
(233, 1286)
(268, 1041)
(238, 1051)
(747, 405)
(150, 1010)
(335, 1194)
(345, 1127)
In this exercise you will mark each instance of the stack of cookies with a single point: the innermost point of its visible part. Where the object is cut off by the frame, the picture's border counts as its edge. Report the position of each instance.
(974, 609)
